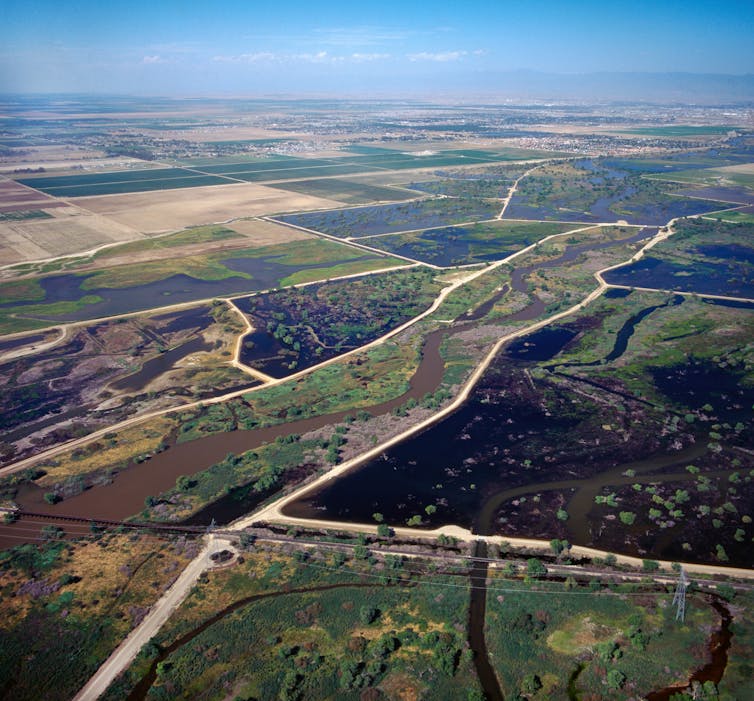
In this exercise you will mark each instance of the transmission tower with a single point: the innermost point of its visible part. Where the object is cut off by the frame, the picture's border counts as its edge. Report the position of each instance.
(679, 599)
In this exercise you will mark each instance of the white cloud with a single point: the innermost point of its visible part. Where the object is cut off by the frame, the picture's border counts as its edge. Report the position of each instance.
(153, 59)
(440, 57)
(319, 57)
(361, 58)
(257, 57)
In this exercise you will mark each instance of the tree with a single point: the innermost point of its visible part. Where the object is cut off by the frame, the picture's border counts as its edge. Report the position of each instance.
(627, 517)
(562, 515)
(615, 679)
(383, 530)
(377, 516)
(531, 684)
(368, 614)
(184, 483)
(535, 568)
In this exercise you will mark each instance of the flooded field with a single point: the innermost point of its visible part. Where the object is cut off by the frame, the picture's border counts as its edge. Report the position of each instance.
(405, 216)
(97, 374)
(705, 278)
(251, 274)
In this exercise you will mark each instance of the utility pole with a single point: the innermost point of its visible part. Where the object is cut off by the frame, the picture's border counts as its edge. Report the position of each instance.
(679, 600)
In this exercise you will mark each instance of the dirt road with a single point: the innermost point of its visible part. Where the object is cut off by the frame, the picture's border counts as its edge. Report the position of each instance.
(125, 653)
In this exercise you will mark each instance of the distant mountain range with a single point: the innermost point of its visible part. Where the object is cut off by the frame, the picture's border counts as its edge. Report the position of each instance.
(665, 88)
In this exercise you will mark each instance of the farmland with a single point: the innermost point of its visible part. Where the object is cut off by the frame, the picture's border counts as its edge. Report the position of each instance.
(347, 191)
(278, 169)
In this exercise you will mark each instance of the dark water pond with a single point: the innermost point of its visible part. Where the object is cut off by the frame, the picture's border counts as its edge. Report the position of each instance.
(699, 382)
(155, 367)
(13, 343)
(177, 289)
(450, 466)
(541, 345)
(443, 247)
(705, 277)
(736, 195)
(731, 251)
(732, 303)
(624, 334)
(261, 350)
(617, 293)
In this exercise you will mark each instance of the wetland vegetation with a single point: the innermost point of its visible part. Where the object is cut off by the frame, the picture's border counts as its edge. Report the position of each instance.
(625, 424)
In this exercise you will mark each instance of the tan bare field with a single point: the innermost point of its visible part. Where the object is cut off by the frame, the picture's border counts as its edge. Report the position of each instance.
(70, 231)
(39, 156)
(266, 233)
(237, 133)
(169, 210)
(254, 233)
(77, 163)
(741, 168)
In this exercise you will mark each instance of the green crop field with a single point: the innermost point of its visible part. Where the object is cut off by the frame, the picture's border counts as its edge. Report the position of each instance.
(734, 217)
(135, 186)
(348, 191)
(121, 176)
(300, 172)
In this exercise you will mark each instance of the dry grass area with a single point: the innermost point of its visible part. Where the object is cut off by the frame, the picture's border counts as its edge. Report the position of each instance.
(120, 576)
(741, 169)
(168, 210)
(580, 635)
(142, 438)
(265, 233)
(48, 157)
(69, 231)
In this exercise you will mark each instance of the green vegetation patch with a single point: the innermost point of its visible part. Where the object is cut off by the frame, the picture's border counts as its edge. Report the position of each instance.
(347, 191)
(542, 637)
(460, 245)
(299, 327)
(707, 176)
(67, 605)
(21, 291)
(321, 632)
(734, 217)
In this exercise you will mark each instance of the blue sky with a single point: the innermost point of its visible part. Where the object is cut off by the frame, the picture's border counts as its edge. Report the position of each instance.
(167, 47)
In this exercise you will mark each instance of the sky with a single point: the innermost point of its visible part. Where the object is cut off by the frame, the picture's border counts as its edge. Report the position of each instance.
(167, 47)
